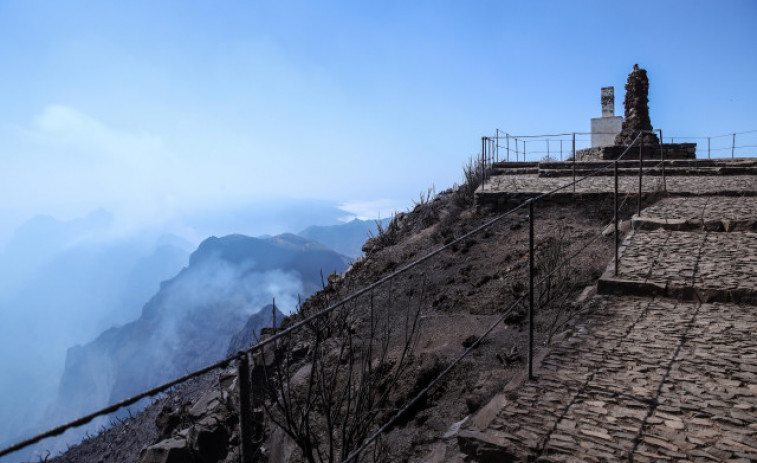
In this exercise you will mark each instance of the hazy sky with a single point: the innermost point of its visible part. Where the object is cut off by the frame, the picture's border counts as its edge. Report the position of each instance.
(154, 108)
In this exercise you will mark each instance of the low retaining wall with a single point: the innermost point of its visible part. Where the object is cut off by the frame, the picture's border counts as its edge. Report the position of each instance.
(671, 151)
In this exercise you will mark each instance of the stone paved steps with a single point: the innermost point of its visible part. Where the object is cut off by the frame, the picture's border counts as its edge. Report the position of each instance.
(648, 378)
(656, 379)
(709, 185)
(672, 163)
(514, 165)
(689, 167)
(516, 171)
(711, 213)
(503, 191)
(512, 182)
(648, 171)
(705, 266)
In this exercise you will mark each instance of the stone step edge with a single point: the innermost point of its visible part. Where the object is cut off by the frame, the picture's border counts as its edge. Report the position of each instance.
(655, 171)
(489, 446)
(713, 225)
(569, 191)
(483, 444)
(505, 200)
(611, 285)
(523, 171)
(647, 162)
(628, 163)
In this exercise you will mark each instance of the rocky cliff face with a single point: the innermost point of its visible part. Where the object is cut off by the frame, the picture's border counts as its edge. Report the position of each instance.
(248, 335)
(190, 322)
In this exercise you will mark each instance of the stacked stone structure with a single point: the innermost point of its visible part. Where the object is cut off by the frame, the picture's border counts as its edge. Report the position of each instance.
(637, 110)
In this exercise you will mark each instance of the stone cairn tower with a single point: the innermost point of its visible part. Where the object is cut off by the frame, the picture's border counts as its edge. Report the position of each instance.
(637, 110)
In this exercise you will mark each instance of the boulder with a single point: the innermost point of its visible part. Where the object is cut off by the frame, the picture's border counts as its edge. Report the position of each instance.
(208, 441)
(168, 451)
(282, 447)
(167, 421)
(209, 403)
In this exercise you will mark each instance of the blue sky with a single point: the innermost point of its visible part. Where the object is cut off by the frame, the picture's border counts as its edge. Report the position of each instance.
(154, 109)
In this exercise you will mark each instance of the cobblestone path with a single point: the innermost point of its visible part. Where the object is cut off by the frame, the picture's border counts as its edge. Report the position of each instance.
(646, 378)
(643, 380)
(699, 185)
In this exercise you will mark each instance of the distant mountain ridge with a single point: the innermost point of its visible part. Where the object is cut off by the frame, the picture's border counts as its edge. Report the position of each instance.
(347, 238)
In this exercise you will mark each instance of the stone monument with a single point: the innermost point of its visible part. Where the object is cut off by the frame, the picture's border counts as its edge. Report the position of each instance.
(636, 121)
(605, 128)
(637, 110)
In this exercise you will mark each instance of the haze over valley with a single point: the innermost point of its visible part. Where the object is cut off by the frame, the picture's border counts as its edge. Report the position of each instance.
(89, 317)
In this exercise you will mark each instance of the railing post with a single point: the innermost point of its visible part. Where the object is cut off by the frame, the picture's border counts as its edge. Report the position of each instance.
(548, 158)
(490, 153)
(662, 160)
(574, 146)
(531, 272)
(245, 414)
(617, 263)
(708, 147)
(641, 170)
(507, 139)
(496, 147)
(516, 149)
(733, 145)
(561, 150)
(524, 150)
(483, 163)
(574, 162)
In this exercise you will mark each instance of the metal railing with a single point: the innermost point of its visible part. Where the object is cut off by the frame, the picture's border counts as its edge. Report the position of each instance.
(242, 358)
(506, 147)
(725, 143)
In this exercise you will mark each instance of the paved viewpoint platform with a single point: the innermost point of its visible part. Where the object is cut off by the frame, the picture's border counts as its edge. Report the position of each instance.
(663, 367)
(734, 184)
(510, 183)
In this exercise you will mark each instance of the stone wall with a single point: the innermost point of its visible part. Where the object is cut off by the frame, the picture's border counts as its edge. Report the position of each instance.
(671, 151)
